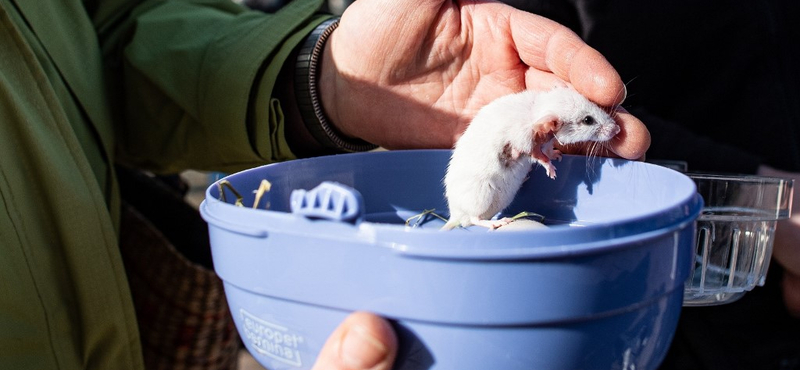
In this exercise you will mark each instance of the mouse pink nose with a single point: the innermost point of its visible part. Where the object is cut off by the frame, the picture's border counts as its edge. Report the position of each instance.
(610, 131)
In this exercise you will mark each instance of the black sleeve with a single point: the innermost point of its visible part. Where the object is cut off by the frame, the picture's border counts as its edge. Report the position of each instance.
(670, 141)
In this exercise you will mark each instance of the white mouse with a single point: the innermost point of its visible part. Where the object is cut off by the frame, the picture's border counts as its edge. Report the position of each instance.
(492, 158)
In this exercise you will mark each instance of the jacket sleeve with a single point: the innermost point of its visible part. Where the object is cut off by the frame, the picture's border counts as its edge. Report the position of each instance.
(192, 81)
(671, 141)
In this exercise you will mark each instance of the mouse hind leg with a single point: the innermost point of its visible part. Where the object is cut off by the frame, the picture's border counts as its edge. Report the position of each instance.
(491, 224)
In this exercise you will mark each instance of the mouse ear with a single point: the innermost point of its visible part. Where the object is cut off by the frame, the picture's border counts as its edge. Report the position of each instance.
(548, 124)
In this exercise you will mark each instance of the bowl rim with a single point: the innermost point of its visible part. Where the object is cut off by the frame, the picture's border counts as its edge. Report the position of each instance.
(554, 242)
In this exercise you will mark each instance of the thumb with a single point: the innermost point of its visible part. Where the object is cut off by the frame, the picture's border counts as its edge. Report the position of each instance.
(363, 341)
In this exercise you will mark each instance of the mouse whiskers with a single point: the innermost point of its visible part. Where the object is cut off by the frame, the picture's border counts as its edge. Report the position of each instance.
(612, 111)
(591, 157)
(595, 150)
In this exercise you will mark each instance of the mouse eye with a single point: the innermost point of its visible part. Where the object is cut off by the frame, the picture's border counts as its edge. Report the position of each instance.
(588, 120)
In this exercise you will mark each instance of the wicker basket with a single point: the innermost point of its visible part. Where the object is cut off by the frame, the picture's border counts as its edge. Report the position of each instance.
(182, 313)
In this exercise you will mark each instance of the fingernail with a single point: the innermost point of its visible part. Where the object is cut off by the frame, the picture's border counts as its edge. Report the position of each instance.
(360, 350)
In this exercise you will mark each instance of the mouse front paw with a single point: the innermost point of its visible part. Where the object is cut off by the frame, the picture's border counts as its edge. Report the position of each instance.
(550, 170)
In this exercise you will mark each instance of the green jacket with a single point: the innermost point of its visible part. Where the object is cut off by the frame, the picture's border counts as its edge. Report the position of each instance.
(162, 85)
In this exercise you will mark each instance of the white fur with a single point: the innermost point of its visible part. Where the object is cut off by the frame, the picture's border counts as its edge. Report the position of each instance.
(478, 185)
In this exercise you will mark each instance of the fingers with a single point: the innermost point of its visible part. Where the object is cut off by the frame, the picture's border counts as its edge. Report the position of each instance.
(633, 139)
(363, 341)
(558, 57)
(550, 47)
(536, 79)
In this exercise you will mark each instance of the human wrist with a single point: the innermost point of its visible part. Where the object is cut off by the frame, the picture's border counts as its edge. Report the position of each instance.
(328, 85)
(315, 92)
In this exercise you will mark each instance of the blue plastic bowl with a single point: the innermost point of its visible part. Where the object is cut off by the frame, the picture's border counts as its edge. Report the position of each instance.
(602, 288)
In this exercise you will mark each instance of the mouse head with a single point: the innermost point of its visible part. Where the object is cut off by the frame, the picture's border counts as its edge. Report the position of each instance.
(579, 119)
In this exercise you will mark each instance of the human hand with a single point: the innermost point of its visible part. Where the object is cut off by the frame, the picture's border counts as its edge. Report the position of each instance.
(412, 74)
(362, 341)
(786, 249)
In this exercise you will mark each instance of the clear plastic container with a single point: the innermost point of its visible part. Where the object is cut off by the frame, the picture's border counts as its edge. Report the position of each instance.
(735, 234)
